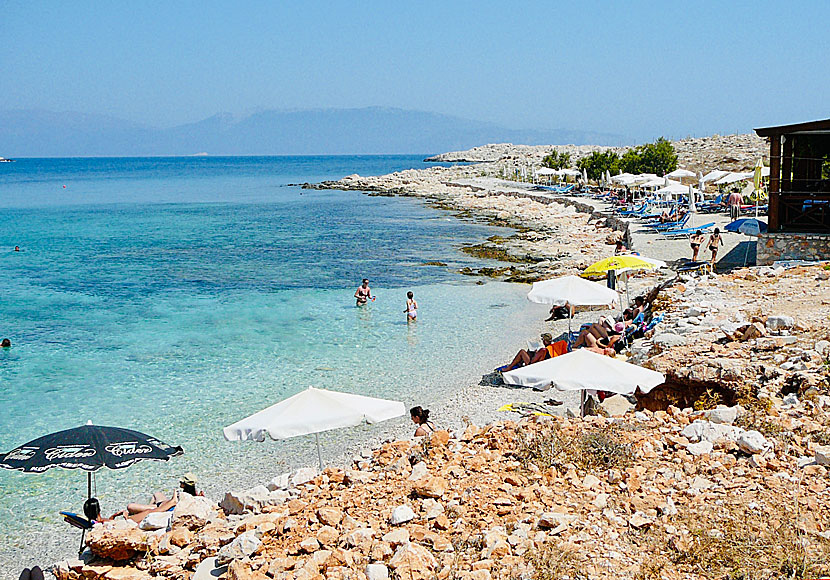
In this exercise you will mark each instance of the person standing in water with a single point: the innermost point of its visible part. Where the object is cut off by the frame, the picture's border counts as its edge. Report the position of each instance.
(363, 293)
(411, 307)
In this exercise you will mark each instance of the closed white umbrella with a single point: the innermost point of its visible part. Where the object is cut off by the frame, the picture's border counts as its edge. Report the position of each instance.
(574, 290)
(313, 411)
(582, 370)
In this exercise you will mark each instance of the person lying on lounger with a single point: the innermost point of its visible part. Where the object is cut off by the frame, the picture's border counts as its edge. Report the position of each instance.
(528, 357)
(92, 510)
(597, 335)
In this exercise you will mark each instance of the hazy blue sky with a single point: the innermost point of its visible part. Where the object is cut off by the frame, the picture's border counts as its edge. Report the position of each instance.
(636, 68)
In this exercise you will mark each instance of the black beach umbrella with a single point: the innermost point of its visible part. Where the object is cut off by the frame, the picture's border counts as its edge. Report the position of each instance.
(90, 448)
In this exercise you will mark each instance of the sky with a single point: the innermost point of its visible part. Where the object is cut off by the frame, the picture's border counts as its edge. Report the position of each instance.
(635, 68)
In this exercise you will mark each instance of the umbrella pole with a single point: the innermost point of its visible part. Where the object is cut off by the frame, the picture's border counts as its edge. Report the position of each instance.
(582, 403)
(88, 484)
(319, 456)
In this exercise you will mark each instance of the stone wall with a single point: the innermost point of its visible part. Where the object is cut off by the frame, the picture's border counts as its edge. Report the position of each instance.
(791, 246)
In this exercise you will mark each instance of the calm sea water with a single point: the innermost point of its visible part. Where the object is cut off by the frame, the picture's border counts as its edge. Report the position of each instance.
(177, 295)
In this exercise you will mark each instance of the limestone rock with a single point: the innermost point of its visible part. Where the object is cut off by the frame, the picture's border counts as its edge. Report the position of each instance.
(700, 448)
(156, 521)
(401, 514)
(330, 516)
(722, 415)
(252, 500)
(413, 562)
(419, 471)
(823, 455)
(303, 475)
(397, 536)
(120, 541)
(780, 322)
(376, 572)
(752, 442)
(192, 511)
(432, 508)
(242, 547)
(433, 487)
(208, 569)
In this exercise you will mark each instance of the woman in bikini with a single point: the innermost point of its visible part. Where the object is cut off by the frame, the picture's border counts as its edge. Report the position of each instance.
(714, 241)
(363, 293)
(421, 418)
(695, 240)
(411, 307)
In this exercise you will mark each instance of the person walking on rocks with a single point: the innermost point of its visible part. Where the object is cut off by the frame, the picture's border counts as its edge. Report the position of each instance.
(715, 241)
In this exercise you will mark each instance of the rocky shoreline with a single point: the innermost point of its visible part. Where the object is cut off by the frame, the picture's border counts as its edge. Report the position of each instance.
(723, 471)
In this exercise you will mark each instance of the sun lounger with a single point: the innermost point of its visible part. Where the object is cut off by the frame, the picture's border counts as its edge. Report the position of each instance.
(79, 522)
(685, 232)
(669, 225)
(700, 266)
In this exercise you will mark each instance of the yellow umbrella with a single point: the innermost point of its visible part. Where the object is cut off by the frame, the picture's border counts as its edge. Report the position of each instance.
(757, 180)
(625, 262)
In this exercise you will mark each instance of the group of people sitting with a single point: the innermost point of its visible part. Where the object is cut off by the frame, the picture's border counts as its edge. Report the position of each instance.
(607, 336)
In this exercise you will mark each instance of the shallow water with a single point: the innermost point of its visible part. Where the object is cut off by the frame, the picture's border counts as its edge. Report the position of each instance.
(176, 296)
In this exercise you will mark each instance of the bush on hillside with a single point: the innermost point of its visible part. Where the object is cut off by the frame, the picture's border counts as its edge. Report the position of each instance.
(557, 160)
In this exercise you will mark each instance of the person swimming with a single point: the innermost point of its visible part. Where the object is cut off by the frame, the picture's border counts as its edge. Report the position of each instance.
(411, 307)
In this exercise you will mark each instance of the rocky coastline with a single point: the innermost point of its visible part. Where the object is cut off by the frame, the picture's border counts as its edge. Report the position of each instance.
(724, 471)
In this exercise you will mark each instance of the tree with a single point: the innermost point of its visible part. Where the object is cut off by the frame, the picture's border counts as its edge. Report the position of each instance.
(557, 160)
(598, 162)
(658, 158)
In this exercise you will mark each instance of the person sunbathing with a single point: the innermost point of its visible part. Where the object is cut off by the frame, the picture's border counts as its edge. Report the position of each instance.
(604, 351)
(597, 335)
(92, 510)
(528, 357)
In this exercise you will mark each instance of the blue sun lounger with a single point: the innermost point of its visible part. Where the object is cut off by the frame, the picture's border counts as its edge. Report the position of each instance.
(684, 232)
(79, 522)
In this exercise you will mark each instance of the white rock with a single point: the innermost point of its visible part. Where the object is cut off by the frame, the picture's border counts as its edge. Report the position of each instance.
(303, 475)
(822, 347)
(419, 471)
(668, 339)
(700, 430)
(780, 322)
(401, 514)
(722, 415)
(694, 311)
(752, 442)
(279, 482)
(790, 400)
(242, 547)
(433, 508)
(823, 455)
(156, 521)
(554, 520)
(591, 481)
(700, 448)
(192, 511)
(376, 572)
(208, 570)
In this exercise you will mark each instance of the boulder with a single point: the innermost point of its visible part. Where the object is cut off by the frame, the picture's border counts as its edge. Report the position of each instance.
(396, 537)
(432, 508)
(419, 471)
(242, 547)
(668, 340)
(376, 572)
(303, 475)
(118, 541)
(700, 448)
(156, 521)
(208, 569)
(192, 511)
(433, 487)
(700, 430)
(780, 322)
(823, 455)
(330, 516)
(752, 442)
(252, 500)
(279, 482)
(722, 415)
(554, 520)
(401, 514)
(413, 562)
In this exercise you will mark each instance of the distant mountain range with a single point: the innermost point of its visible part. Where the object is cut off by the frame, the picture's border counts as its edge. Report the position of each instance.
(372, 130)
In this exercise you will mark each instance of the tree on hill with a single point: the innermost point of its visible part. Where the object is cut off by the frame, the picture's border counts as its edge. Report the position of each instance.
(658, 158)
(557, 160)
(598, 162)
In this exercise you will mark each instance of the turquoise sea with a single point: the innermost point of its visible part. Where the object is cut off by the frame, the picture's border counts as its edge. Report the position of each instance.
(177, 295)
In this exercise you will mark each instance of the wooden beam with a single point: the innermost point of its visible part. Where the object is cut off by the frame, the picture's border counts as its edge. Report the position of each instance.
(774, 181)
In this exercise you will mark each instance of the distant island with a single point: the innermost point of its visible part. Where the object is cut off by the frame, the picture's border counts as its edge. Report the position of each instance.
(366, 131)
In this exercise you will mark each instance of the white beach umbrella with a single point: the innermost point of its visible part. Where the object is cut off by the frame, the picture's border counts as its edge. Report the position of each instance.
(574, 290)
(582, 370)
(681, 173)
(312, 411)
(714, 175)
(585, 175)
(733, 177)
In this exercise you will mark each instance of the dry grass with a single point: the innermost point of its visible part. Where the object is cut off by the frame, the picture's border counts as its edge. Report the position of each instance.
(591, 449)
(552, 562)
(744, 544)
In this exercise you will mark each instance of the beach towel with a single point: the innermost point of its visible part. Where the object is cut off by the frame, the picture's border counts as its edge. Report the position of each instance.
(526, 409)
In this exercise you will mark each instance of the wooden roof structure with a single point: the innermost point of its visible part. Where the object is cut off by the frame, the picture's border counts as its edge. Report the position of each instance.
(799, 182)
